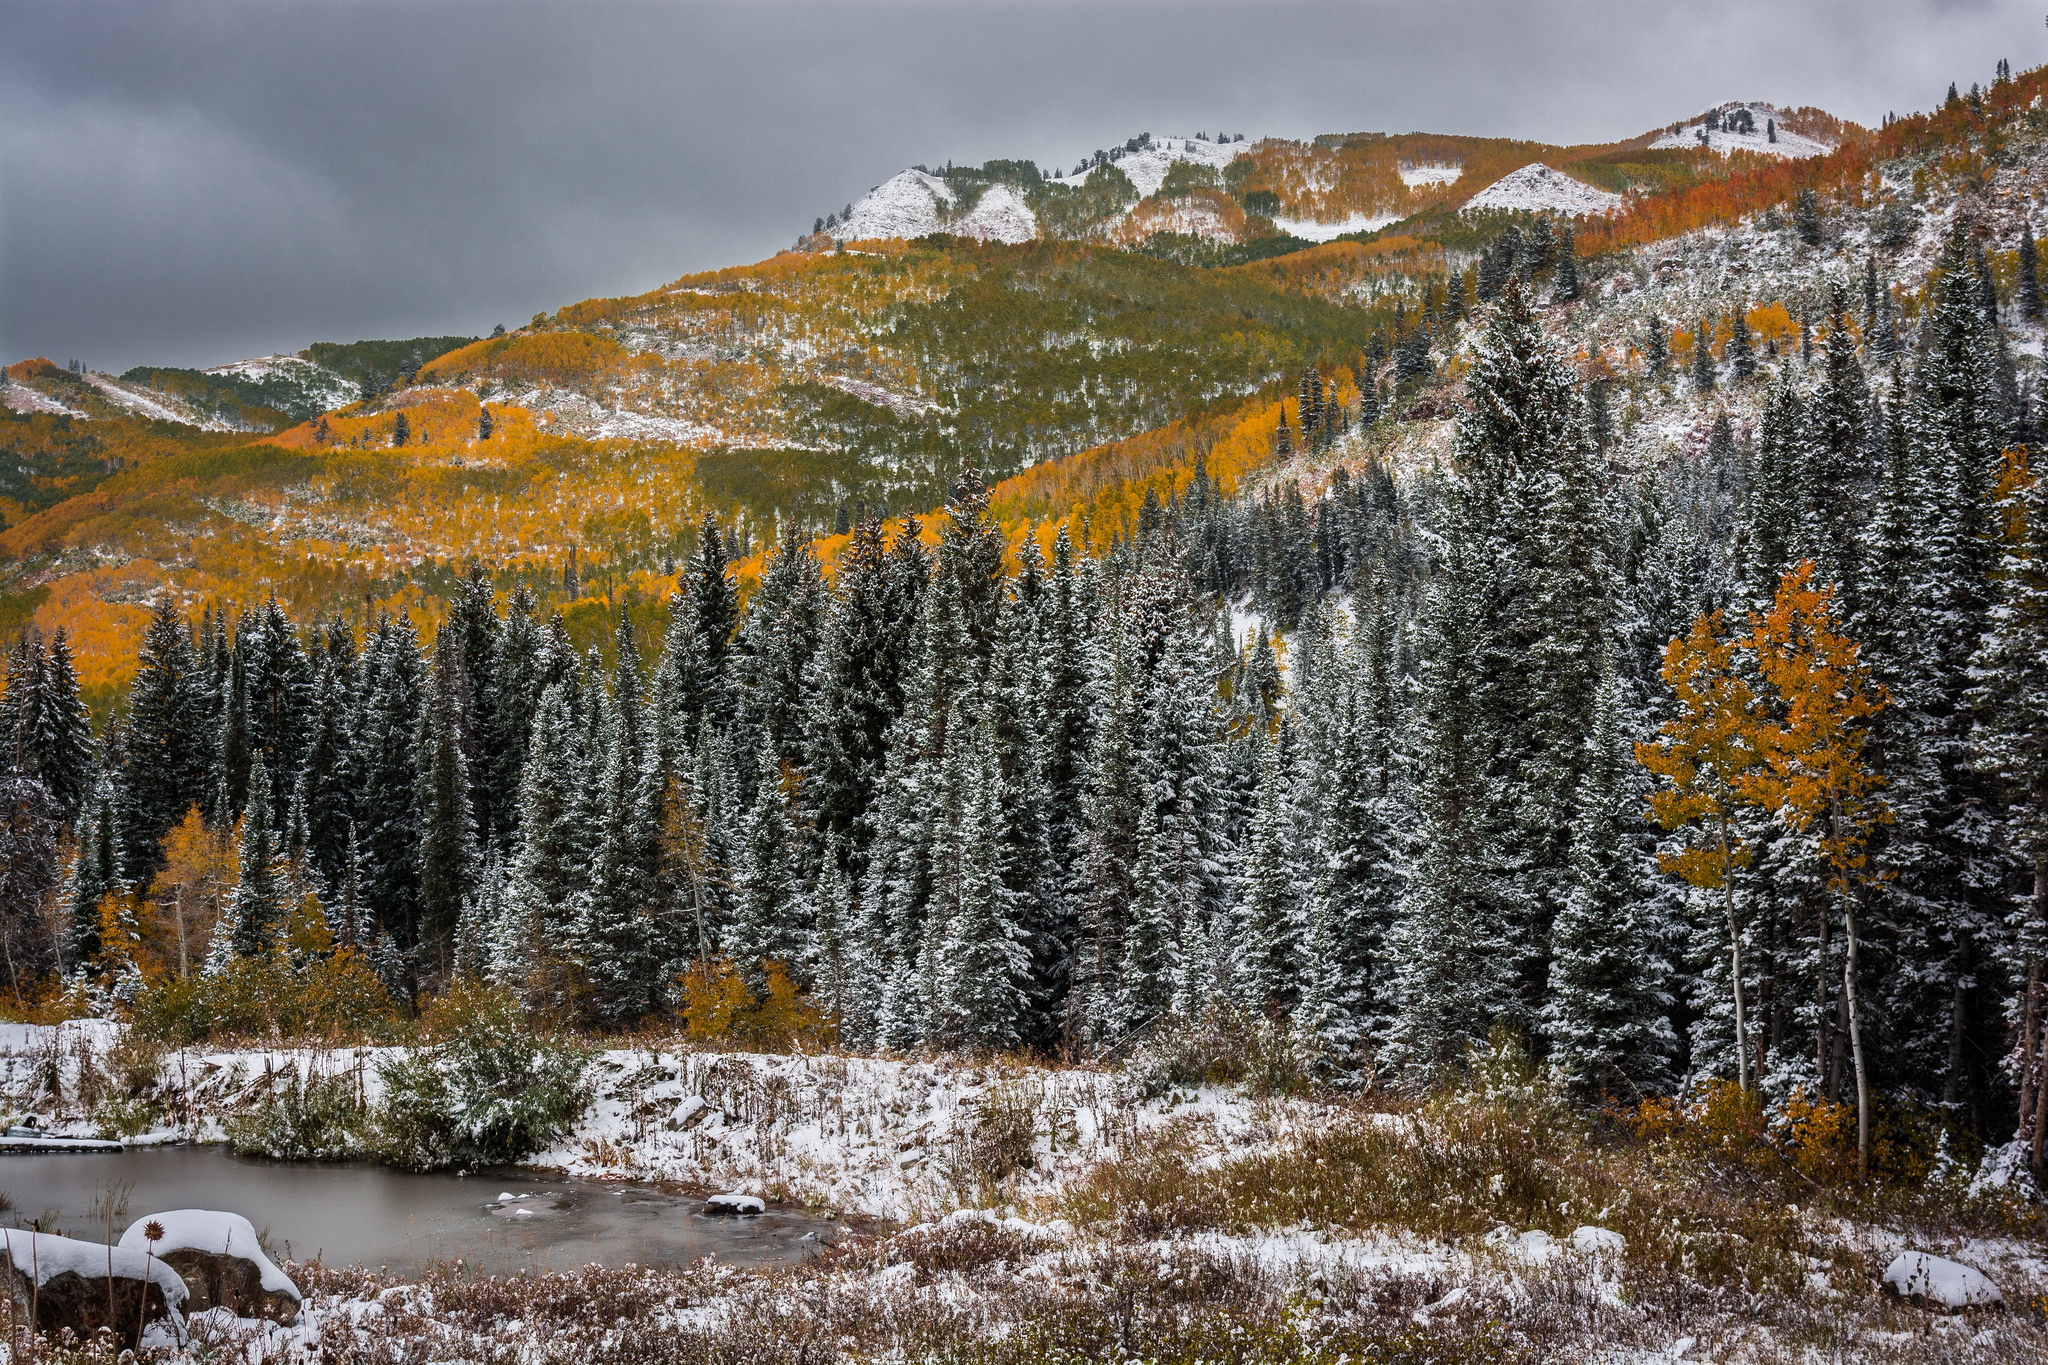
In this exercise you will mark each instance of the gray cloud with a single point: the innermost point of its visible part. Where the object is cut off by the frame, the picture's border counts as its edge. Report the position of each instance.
(193, 183)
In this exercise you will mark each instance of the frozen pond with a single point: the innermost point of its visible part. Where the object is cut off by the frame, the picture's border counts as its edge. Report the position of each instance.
(346, 1214)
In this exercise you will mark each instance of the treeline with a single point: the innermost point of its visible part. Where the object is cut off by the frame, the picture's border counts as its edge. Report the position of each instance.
(977, 807)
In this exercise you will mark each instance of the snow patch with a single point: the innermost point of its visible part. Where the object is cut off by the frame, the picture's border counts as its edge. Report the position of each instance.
(46, 1256)
(1536, 188)
(904, 205)
(1433, 173)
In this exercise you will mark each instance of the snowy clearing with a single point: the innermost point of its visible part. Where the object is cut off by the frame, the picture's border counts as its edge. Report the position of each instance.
(1432, 173)
(1311, 231)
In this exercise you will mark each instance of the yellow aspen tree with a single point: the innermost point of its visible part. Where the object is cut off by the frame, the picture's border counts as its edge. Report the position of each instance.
(1814, 769)
(1706, 756)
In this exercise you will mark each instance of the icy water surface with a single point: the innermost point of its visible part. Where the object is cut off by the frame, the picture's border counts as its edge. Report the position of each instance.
(345, 1214)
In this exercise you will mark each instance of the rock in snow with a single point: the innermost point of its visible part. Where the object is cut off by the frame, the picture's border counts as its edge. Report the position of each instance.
(222, 1265)
(1939, 1282)
(734, 1204)
(69, 1283)
(1537, 189)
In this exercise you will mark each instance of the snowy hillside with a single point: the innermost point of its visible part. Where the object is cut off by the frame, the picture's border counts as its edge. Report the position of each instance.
(1743, 127)
(1538, 189)
(914, 204)
(1148, 166)
(331, 389)
(905, 205)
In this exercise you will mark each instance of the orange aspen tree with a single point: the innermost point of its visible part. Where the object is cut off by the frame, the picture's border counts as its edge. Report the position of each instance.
(1814, 767)
(1706, 756)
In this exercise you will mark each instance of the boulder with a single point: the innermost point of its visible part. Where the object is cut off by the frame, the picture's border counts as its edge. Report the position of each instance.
(1937, 1282)
(61, 1282)
(220, 1261)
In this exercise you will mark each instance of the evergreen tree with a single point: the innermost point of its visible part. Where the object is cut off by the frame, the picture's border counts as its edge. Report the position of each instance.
(254, 917)
(448, 853)
(166, 734)
(550, 863)
(1741, 354)
(1604, 1019)
(1703, 358)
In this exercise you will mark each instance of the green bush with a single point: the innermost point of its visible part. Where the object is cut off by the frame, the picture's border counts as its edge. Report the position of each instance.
(494, 1093)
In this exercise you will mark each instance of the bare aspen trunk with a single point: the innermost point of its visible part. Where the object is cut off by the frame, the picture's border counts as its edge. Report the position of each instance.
(2029, 1062)
(2034, 1011)
(1821, 1032)
(1855, 1038)
(1735, 954)
(1958, 1010)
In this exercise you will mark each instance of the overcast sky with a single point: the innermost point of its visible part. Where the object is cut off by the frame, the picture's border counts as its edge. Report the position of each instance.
(193, 183)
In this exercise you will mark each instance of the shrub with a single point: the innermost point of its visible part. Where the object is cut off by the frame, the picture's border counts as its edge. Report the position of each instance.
(494, 1093)
(308, 1118)
(719, 1008)
(1221, 1044)
(334, 998)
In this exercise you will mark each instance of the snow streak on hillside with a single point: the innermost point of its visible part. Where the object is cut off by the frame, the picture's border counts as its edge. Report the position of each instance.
(1720, 139)
(1538, 189)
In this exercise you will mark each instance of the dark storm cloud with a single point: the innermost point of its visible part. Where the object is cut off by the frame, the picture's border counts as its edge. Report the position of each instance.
(193, 183)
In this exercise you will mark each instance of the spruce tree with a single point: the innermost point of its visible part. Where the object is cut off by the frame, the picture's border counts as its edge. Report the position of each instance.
(255, 915)
(1703, 358)
(1604, 1019)
(448, 854)
(166, 734)
(549, 866)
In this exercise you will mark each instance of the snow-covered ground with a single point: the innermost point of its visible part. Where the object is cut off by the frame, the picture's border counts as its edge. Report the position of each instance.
(1790, 145)
(21, 398)
(1536, 188)
(333, 390)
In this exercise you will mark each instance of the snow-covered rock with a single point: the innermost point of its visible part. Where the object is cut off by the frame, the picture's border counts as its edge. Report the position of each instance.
(734, 1204)
(1536, 188)
(220, 1259)
(1939, 1282)
(76, 1283)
